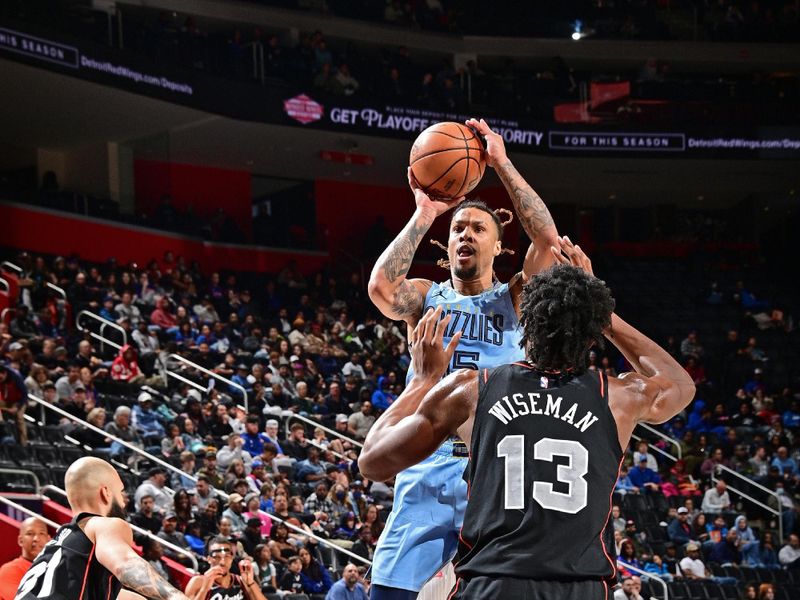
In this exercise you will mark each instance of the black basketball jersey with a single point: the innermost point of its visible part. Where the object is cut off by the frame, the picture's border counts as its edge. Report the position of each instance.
(232, 592)
(544, 460)
(66, 569)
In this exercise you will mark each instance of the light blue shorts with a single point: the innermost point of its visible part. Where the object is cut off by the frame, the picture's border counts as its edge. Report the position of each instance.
(421, 533)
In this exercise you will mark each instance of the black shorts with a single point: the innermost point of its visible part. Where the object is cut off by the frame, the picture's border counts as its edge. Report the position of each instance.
(509, 588)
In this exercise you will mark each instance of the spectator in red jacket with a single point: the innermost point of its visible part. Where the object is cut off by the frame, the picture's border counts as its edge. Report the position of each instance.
(126, 367)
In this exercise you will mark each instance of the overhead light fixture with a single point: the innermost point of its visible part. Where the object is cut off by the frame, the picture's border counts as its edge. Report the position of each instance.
(576, 33)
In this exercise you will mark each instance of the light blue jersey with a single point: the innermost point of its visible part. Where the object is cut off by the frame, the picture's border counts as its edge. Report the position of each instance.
(491, 332)
(421, 533)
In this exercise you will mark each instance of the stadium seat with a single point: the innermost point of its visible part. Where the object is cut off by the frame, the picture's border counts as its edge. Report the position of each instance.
(678, 590)
(729, 592)
(697, 590)
(714, 591)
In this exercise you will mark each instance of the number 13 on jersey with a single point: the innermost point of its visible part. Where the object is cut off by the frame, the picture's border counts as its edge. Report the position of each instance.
(512, 449)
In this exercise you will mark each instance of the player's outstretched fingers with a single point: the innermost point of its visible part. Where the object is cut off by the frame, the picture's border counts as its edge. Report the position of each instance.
(427, 325)
(559, 256)
(441, 327)
(451, 347)
(586, 262)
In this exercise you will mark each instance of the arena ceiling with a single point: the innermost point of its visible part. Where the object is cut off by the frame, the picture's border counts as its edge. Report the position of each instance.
(41, 109)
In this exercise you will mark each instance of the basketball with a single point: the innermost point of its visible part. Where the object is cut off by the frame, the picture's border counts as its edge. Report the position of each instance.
(447, 160)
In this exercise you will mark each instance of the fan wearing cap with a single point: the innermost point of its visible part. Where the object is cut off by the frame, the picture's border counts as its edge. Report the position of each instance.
(679, 530)
(643, 477)
(169, 533)
(145, 420)
(693, 567)
(218, 582)
(235, 512)
(154, 486)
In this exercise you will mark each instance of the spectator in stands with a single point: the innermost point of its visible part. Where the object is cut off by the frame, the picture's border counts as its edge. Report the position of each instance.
(146, 422)
(23, 326)
(32, 537)
(365, 544)
(169, 533)
(710, 464)
(359, 423)
(253, 440)
(716, 500)
(235, 513)
(232, 451)
(348, 587)
(13, 400)
(66, 384)
(717, 530)
(766, 591)
(642, 451)
(127, 309)
(759, 464)
(785, 463)
(727, 551)
(311, 469)
(315, 578)
(121, 428)
(656, 566)
(145, 517)
(291, 581)
(693, 567)
(743, 530)
(296, 446)
(644, 478)
(154, 486)
(690, 347)
(182, 480)
(761, 554)
(789, 555)
(209, 469)
(628, 590)
(679, 530)
(624, 484)
(126, 366)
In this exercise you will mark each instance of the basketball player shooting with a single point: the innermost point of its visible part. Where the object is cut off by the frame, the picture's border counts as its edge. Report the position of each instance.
(421, 533)
(546, 436)
(91, 557)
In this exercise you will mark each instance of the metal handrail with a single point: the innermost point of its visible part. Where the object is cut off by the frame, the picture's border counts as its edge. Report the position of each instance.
(106, 434)
(664, 437)
(777, 512)
(11, 266)
(216, 376)
(672, 457)
(57, 289)
(145, 532)
(174, 469)
(646, 574)
(29, 512)
(324, 449)
(316, 424)
(25, 472)
(104, 323)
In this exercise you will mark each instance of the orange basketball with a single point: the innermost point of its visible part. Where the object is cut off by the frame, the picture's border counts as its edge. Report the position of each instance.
(447, 160)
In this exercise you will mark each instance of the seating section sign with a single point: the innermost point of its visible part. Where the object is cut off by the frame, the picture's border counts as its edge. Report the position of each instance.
(285, 105)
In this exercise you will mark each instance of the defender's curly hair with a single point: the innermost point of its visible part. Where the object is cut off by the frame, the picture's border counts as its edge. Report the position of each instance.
(562, 312)
(495, 214)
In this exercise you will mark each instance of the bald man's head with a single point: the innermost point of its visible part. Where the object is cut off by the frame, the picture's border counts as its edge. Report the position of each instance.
(33, 536)
(94, 486)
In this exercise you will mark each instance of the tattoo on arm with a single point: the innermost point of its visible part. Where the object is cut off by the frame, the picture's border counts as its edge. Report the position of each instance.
(396, 261)
(139, 576)
(529, 206)
(407, 300)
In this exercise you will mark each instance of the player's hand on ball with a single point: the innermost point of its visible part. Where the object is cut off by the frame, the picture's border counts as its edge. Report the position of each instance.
(569, 254)
(495, 153)
(425, 203)
(428, 354)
